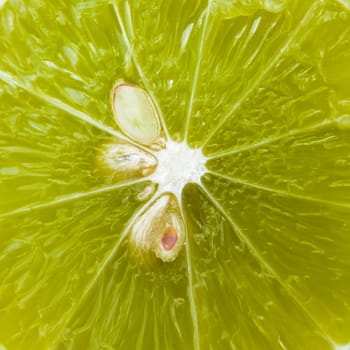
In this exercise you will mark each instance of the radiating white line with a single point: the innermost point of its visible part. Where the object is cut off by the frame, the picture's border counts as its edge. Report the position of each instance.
(71, 197)
(280, 192)
(268, 140)
(139, 69)
(100, 270)
(274, 60)
(191, 292)
(11, 80)
(196, 73)
(290, 292)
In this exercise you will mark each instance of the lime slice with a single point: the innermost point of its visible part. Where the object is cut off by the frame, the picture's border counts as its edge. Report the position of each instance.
(221, 223)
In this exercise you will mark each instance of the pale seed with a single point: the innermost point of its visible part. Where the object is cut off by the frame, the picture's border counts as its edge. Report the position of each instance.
(135, 113)
(159, 229)
(122, 161)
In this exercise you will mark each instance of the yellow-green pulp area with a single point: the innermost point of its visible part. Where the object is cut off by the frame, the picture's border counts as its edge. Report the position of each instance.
(262, 87)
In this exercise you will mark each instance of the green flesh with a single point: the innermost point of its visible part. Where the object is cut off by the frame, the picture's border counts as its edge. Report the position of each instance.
(264, 90)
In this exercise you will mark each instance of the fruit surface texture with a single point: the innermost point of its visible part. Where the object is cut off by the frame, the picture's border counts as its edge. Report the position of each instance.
(175, 174)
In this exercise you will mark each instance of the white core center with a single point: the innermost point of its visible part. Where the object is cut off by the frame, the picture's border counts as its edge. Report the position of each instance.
(178, 165)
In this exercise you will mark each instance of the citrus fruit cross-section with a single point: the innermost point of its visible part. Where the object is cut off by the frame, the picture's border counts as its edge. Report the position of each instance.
(160, 227)
(175, 174)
